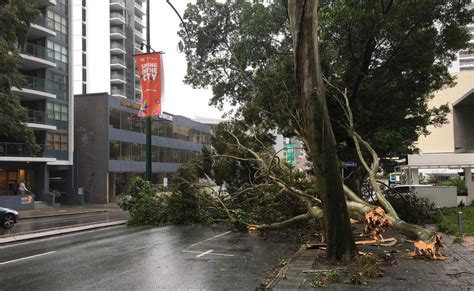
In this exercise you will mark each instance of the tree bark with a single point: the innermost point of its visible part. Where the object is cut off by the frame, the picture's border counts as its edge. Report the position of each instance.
(317, 127)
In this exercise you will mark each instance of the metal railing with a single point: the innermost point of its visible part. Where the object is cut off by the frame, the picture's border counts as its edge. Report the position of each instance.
(140, 7)
(140, 34)
(118, 1)
(117, 15)
(11, 149)
(38, 51)
(36, 116)
(118, 45)
(117, 76)
(43, 85)
(117, 30)
(41, 21)
(118, 92)
(117, 61)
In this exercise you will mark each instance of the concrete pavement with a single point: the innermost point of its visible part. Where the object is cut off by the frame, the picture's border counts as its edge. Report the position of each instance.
(454, 273)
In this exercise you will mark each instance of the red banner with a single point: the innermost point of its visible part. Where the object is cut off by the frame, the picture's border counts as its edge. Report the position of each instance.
(150, 70)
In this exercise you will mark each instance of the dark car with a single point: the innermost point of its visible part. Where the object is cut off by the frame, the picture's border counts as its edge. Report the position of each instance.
(8, 217)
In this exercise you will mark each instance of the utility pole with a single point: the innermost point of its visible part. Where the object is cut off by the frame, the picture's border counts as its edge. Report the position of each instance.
(148, 118)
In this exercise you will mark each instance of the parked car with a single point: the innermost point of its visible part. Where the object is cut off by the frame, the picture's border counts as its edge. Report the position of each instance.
(8, 217)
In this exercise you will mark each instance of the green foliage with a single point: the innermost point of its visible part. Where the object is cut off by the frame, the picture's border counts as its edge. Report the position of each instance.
(413, 209)
(183, 205)
(240, 220)
(15, 19)
(449, 223)
(458, 183)
(325, 278)
(244, 52)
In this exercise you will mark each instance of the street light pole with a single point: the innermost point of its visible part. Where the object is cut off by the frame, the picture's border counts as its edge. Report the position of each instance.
(148, 118)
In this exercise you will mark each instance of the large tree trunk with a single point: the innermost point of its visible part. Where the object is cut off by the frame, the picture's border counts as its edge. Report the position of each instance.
(317, 129)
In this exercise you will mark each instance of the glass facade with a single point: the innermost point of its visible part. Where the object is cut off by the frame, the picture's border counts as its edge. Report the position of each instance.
(124, 120)
(126, 151)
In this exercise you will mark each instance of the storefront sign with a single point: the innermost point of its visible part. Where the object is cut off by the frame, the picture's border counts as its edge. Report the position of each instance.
(150, 70)
(129, 104)
(26, 199)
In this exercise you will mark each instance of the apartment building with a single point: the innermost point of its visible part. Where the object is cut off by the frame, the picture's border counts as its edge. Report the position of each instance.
(106, 35)
(465, 61)
(47, 95)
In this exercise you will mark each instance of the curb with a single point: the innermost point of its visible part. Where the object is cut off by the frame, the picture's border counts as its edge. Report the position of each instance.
(57, 231)
(282, 272)
(61, 214)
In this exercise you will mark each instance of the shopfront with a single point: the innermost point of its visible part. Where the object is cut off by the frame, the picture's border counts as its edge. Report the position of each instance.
(11, 175)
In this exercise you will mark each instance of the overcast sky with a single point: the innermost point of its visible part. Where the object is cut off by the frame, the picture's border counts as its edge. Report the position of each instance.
(179, 98)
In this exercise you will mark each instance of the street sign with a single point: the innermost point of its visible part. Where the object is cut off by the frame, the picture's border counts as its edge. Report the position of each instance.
(349, 164)
(290, 153)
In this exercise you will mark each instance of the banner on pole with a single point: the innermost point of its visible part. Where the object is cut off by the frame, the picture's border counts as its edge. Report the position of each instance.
(150, 70)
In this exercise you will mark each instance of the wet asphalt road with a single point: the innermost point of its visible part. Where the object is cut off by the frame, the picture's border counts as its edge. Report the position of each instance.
(35, 224)
(141, 258)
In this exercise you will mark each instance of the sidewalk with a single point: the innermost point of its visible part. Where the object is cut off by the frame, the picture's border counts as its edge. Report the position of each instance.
(454, 273)
(51, 221)
(69, 210)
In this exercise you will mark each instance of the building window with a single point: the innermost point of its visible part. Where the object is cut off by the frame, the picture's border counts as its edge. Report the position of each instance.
(57, 21)
(126, 151)
(125, 121)
(57, 111)
(57, 52)
(137, 152)
(114, 150)
(114, 118)
(57, 141)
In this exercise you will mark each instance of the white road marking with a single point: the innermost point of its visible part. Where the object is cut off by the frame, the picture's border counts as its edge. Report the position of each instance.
(26, 258)
(211, 238)
(203, 254)
(216, 254)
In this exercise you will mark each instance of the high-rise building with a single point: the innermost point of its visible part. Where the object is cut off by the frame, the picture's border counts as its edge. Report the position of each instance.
(106, 35)
(465, 60)
(48, 97)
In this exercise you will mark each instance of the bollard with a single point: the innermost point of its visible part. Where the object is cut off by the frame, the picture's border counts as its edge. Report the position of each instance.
(460, 224)
(440, 213)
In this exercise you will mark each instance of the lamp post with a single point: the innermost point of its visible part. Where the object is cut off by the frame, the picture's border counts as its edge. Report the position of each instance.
(148, 118)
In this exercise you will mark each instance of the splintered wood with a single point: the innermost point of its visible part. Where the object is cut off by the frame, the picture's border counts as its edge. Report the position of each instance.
(376, 223)
(430, 250)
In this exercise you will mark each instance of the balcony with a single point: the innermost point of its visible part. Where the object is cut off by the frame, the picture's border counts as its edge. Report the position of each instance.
(117, 48)
(139, 22)
(117, 5)
(38, 120)
(117, 63)
(117, 78)
(139, 9)
(117, 33)
(139, 36)
(10, 151)
(43, 3)
(36, 89)
(35, 57)
(118, 92)
(116, 18)
(39, 29)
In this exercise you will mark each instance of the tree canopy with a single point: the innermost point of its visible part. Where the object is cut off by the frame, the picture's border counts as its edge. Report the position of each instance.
(15, 19)
(389, 55)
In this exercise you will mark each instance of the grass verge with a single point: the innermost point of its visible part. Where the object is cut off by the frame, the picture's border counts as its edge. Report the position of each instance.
(449, 224)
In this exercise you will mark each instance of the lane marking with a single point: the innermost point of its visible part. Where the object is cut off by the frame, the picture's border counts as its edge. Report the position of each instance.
(213, 253)
(211, 238)
(203, 254)
(26, 258)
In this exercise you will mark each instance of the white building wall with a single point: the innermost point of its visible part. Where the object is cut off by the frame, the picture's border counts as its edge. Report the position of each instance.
(98, 46)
